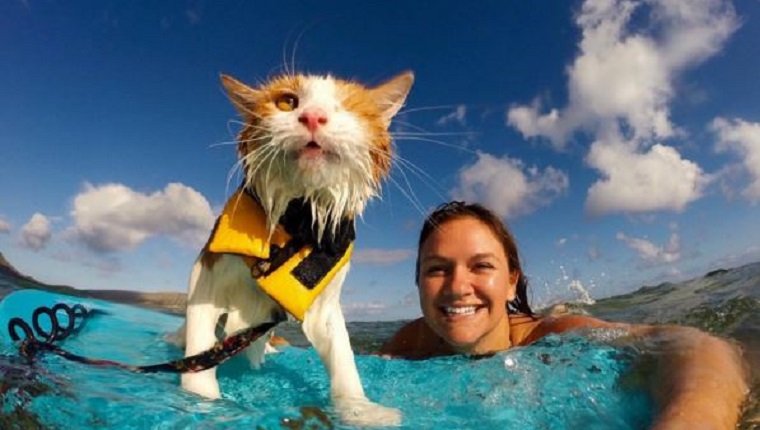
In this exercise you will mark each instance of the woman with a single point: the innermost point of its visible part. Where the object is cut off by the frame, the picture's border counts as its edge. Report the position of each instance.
(473, 297)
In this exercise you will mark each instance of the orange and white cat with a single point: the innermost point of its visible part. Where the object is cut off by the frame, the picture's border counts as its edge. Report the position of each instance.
(322, 142)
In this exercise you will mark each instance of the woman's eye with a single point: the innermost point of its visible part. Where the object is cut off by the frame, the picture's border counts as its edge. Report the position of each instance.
(483, 265)
(434, 270)
(286, 102)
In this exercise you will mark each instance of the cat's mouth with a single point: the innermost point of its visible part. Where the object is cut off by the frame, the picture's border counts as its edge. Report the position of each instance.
(312, 150)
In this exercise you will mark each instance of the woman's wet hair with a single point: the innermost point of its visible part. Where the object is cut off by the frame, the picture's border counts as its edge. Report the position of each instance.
(456, 210)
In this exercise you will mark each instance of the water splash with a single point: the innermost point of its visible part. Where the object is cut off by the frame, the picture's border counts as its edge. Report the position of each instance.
(563, 290)
(582, 294)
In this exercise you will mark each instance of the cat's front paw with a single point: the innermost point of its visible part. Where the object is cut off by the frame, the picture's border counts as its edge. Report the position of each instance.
(365, 413)
(202, 383)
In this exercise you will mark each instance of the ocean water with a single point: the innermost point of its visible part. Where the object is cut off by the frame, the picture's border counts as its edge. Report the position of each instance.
(561, 383)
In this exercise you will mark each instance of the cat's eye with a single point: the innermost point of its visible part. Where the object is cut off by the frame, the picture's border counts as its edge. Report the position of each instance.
(286, 102)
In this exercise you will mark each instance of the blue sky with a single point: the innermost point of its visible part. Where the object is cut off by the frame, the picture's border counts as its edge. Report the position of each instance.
(620, 140)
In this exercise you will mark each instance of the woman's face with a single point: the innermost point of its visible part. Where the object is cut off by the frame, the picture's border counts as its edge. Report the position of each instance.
(464, 285)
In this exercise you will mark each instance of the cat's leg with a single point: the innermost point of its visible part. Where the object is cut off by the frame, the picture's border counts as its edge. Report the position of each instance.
(202, 314)
(250, 306)
(325, 328)
(256, 351)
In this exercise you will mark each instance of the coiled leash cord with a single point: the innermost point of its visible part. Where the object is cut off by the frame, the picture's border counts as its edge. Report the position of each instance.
(31, 345)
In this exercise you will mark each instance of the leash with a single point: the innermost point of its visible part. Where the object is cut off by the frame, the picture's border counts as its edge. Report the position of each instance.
(31, 345)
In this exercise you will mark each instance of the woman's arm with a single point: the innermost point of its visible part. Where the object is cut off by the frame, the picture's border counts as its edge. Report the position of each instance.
(699, 381)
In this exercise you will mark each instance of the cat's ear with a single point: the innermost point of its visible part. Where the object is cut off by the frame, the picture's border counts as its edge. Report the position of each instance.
(391, 94)
(242, 96)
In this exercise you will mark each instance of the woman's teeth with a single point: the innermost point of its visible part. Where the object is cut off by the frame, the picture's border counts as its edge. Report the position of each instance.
(459, 310)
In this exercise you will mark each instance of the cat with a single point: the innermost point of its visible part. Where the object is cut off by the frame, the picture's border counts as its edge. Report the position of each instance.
(313, 151)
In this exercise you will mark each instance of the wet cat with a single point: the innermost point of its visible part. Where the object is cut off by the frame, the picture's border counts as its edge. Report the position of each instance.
(313, 151)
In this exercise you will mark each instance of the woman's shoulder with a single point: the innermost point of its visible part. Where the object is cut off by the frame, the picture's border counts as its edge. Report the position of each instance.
(412, 341)
(528, 329)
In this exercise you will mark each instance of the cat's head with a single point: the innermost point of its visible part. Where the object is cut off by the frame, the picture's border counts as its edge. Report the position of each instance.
(319, 138)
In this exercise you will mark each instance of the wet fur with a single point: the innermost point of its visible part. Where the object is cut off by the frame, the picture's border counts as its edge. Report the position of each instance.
(355, 157)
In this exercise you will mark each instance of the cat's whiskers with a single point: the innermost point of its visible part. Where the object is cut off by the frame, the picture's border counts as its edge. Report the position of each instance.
(276, 149)
(421, 132)
(257, 139)
(285, 56)
(258, 158)
(329, 202)
(238, 141)
(253, 158)
(267, 153)
(427, 108)
(257, 128)
(429, 133)
(292, 71)
(242, 124)
(245, 161)
(411, 197)
(251, 113)
(396, 158)
(426, 178)
(398, 122)
(438, 142)
(226, 143)
(236, 167)
(399, 162)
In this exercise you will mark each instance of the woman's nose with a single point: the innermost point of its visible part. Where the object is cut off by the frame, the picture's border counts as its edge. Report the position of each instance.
(460, 283)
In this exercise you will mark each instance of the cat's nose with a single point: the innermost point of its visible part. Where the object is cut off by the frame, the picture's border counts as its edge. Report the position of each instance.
(312, 119)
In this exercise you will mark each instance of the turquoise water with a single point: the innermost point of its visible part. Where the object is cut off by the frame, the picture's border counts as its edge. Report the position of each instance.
(561, 383)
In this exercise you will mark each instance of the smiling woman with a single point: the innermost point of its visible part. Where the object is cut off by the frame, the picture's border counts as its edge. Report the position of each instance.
(473, 296)
(462, 270)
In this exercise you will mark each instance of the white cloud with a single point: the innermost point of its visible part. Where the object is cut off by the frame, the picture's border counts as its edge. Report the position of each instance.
(36, 233)
(641, 182)
(507, 187)
(459, 116)
(381, 257)
(531, 123)
(620, 87)
(743, 138)
(113, 217)
(624, 75)
(5, 226)
(651, 253)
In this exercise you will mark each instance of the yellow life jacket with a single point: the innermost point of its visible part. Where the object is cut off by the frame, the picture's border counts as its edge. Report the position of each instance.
(297, 272)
